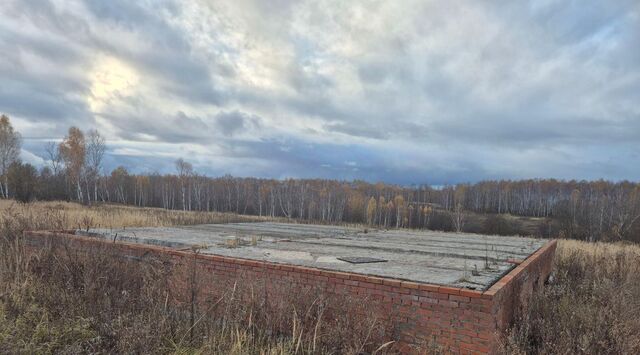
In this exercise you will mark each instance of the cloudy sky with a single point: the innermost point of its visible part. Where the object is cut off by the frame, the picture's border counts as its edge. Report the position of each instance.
(398, 91)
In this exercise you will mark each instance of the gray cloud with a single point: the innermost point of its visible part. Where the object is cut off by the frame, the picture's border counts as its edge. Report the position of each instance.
(408, 92)
(177, 128)
(233, 122)
(357, 130)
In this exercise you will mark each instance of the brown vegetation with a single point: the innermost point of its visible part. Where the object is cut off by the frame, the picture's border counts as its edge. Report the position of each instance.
(66, 303)
(591, 306)
(70, 215)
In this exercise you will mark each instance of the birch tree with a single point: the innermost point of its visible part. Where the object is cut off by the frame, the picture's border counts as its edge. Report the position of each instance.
(10, 143)
(371, 210)
(399, 204)
(96, 147)
(184, 170)
(73, 153)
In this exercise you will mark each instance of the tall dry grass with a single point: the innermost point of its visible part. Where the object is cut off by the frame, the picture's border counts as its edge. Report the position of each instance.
(69, 215)
(591, 305)
(68, 303)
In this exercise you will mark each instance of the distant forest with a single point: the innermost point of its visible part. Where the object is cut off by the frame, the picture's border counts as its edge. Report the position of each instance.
(586, 210)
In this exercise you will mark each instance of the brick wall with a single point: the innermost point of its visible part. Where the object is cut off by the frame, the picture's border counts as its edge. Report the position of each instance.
(421, 316)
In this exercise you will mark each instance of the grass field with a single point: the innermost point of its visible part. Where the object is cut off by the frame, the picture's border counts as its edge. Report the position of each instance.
(53, 305)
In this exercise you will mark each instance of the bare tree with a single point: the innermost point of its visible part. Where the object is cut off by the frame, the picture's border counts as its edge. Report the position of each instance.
(371, 210)
(400, 205)
(285, 194)
(54, 159)
(96, 147)
(458, 217)
(457, 214)
(185, 170)
(10, 143)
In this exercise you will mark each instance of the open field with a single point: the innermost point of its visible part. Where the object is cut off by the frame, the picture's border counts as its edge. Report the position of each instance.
(61, 305)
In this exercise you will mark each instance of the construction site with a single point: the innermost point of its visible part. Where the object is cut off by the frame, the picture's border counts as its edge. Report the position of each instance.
(455, 289)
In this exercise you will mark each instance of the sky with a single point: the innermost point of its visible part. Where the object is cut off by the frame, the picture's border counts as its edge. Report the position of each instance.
(405, 92)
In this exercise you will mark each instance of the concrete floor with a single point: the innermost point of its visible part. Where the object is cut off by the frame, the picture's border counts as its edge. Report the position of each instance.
(453, 259)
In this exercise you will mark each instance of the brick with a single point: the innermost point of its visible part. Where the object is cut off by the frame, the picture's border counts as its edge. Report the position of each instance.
(360, 278)
(368, 285)
(410, 285)
(383, 287)
(490, 293)
(437, 295)
(409, 297)
(428, 300)
(447, 303)
(449, 290)
(339, 275)
(470, 293)
(428, 287)
(392, 283)
(459, 298)
(401, 290)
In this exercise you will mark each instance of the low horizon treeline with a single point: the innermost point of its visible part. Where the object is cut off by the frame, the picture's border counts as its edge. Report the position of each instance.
(586, 210)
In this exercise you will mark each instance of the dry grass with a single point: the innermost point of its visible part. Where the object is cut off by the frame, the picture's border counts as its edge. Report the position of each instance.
(67, 303)
(68, 215)
(568, 248)
(591, 306)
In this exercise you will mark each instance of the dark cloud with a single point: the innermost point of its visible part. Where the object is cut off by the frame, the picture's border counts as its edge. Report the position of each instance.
(233, 122)
(177, 128)
(43, 104)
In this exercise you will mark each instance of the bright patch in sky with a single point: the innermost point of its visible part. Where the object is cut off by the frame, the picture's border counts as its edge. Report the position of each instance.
(111, 79)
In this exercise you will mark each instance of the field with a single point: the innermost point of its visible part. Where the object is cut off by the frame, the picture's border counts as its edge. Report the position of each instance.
(62, 305)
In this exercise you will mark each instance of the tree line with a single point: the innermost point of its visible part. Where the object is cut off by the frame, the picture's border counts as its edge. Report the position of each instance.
(588, 210)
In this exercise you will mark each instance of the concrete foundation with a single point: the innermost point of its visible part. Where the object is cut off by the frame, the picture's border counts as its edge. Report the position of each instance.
(457, 291)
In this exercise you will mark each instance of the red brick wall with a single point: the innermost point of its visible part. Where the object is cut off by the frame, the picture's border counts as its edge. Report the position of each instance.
(422, 316)
(514, 290)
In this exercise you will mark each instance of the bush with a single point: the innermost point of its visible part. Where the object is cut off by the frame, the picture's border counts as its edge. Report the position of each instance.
(23, 179)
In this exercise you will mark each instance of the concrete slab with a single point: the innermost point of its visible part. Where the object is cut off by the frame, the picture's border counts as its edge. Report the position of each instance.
(451, 259)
